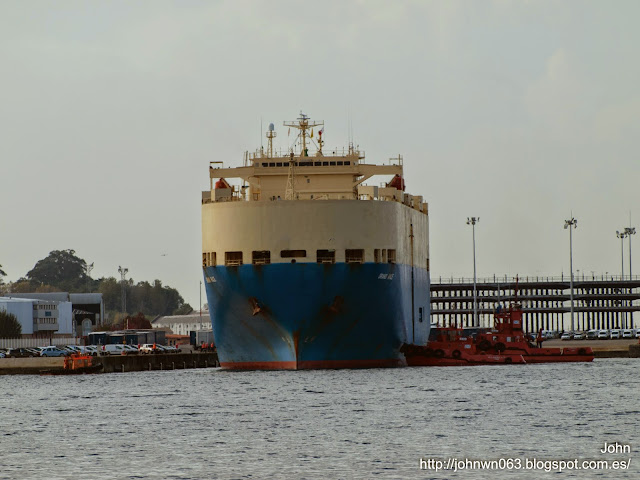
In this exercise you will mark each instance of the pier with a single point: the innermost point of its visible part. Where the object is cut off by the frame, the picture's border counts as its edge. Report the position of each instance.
(598, 303)
(113, 363)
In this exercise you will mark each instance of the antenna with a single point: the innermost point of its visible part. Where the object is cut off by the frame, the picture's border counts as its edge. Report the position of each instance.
(271, 134)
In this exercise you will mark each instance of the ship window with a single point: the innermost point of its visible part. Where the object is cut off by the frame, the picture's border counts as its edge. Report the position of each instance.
(384, 255)
(293, 253)
(232, 259)
(376, 255)
(354, 255)
(279, 164)
(325, 164)
(340, 163)
(308, 180)
(272, 164)
(333, 164)
(347, 163)
(420, 314)
(326, 256)
(317, 164)
(262, 257)
(265, 164)
(392, 256)
(209, 259)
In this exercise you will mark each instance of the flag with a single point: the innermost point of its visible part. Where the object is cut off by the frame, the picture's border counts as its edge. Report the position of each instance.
(321, 131)
(312, 133)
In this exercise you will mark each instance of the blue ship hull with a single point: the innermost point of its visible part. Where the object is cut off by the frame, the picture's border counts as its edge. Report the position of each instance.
(308, 315)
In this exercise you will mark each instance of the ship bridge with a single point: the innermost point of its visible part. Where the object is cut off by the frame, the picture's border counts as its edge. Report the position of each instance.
(269, 175)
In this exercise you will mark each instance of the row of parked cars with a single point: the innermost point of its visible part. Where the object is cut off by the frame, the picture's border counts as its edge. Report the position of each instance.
(93, 350)
(602, 334)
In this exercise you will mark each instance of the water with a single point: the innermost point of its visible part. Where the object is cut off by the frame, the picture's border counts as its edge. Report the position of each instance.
(351, 424)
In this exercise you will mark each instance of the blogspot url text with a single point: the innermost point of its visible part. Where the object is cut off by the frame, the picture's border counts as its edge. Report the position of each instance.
(455, 464)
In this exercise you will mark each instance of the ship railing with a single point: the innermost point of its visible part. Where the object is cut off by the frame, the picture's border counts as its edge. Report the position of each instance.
(281, 153)
(501, 279)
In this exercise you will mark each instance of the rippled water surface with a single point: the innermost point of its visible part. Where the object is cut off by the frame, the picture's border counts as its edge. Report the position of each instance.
(318, 424)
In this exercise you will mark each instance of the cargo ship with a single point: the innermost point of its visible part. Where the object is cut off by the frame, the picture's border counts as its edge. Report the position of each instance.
(308, 267)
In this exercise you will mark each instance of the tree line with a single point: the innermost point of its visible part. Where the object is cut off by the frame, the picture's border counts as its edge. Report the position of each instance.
(63, 271)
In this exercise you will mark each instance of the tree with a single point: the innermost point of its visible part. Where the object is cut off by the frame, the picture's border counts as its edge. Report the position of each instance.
(185, 309)
(2, 274)
(62, 269)
(9, 325)
(111, 292)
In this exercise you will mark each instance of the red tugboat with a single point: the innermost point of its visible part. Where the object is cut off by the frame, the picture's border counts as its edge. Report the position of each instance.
(506, 343)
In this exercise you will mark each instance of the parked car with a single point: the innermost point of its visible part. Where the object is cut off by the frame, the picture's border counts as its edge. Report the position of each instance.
(579, 336)
(21, 353)
(70, 349)
(53, 352)
(603, 334)
(92, 350)
(615, 334)
(147, 348)
(566, 336)
(171, 349)
(592, 334)
(627, 333)
(638, 333)
(131, 349)
(114, 349)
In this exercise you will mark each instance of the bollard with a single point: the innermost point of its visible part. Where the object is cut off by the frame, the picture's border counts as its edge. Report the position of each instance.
(194, 364)
(149, 366)
(206, 364)
(184, 365)
(123, 368)
(173, 365)
(160, 365)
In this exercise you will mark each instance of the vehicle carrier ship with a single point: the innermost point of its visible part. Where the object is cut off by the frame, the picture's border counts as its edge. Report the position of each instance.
(307, 267)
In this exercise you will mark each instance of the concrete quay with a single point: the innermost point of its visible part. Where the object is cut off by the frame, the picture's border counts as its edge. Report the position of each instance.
(112, 363)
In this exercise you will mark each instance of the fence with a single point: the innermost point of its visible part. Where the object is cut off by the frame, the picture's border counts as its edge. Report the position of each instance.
(36, 342)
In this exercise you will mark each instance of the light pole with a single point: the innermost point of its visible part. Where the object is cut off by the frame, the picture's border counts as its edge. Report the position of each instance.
(621, 235)
(88, 269)
(472, 221)
(571, 224)
(123, 273)
(630, 231)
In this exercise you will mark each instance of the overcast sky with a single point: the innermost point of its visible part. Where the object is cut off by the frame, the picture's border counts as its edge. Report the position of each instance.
(519, 112)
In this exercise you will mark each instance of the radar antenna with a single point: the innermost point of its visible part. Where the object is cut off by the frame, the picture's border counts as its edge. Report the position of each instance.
(271, 134)
(303, 125)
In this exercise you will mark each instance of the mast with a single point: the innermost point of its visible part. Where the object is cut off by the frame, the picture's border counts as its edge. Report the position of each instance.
(271, 134)
(303, 125)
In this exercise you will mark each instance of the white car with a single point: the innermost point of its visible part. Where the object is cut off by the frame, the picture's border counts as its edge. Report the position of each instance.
(627, 333)
(603, 334)
(638, 333)
(93, 350)
(579, 336)
(147, 348)
(615, 334)
(566, 336)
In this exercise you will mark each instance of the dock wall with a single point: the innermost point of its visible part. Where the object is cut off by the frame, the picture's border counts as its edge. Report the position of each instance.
(113, 363)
